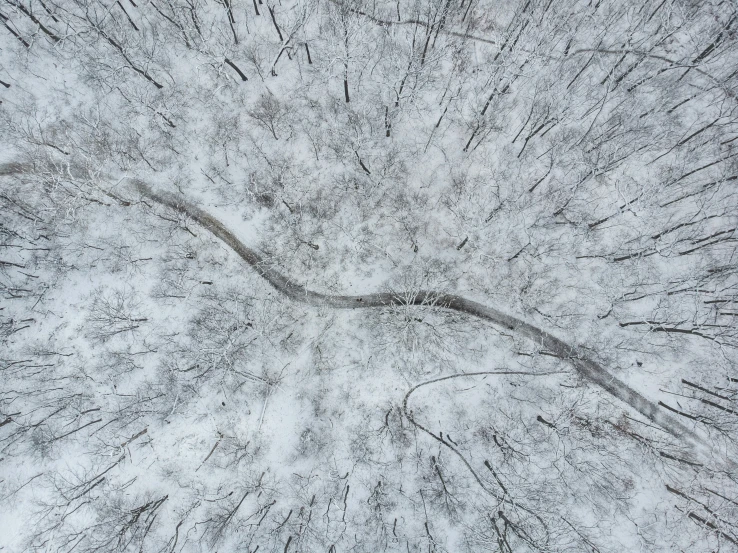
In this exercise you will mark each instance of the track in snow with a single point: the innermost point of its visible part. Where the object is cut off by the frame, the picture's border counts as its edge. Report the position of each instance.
(589, 369)
(586, 367)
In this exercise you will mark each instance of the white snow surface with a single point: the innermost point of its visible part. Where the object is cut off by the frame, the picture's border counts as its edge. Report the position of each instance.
(569, 163)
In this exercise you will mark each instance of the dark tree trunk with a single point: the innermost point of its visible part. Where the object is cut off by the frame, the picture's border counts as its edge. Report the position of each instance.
(236, 69)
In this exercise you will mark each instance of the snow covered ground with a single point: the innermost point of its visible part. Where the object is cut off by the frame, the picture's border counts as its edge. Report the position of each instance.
(568, 164)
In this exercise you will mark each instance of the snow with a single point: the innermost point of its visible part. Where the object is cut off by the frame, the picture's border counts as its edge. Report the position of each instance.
(141, 358)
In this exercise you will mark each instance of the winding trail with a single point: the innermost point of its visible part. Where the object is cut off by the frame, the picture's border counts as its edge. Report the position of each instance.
(501, 498)
(586, 367)
(589, 369)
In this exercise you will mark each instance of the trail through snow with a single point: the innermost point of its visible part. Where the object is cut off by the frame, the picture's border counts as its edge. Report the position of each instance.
(588, 368)
(585, 366)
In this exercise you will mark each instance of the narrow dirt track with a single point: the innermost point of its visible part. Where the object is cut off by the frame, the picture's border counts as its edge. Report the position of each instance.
(503, 497)
(586, 367)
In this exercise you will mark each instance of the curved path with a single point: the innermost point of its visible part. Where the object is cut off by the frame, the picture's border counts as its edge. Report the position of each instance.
(297, 292)
(501, 498)
(586, 367)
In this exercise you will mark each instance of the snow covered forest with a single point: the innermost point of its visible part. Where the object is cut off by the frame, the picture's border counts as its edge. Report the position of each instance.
(334, 276)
